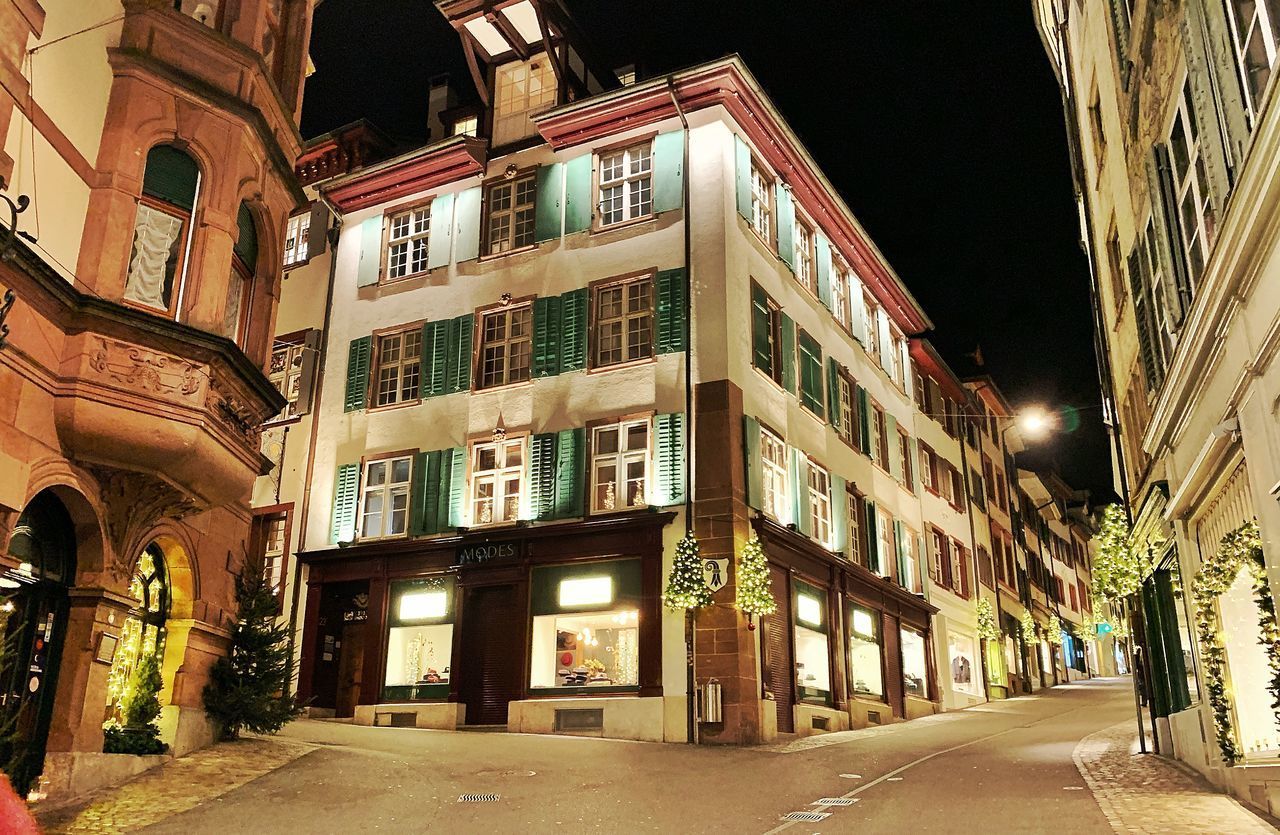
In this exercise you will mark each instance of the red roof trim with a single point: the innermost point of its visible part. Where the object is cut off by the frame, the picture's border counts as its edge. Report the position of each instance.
(932, 364)
(423, 170)
(725, 84)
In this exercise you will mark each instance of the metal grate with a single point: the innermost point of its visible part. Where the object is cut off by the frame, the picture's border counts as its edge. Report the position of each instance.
(807, 817)
(477, 798)
(834, 801)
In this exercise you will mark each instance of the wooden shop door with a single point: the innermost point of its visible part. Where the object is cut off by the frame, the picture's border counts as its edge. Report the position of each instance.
(780, 680)
(350, 668)
(490, 668)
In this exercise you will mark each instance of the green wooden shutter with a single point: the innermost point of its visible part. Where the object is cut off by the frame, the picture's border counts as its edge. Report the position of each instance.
(753, 465)
(1222, 57)
(1213, 150)
(788, 354)
(547, 222)
(1152, 371)
(761, 327)
(466, 241)
(810, 374)
(570, 472)
(839, 516)
(435, 358)
(672, 301)
(668, 170)
(899, 543)
(822, 259)
(345, 491)
(1120, 25)
(577, 194)
(864, 421)
(874, 558)
(786, 224)
(742, 175)
(895, 446)
(440, 236)
(833, 393)
(418, 515)
(542, 476)
(357, 373)
(370, 252)
(1164, 214)
(453, 484)
(886, 342)
(858, 311)
(459, 355)
(546, 336)
(913, 455)
(431, 520)
(799, 473)
(573, 323)
(669, 431)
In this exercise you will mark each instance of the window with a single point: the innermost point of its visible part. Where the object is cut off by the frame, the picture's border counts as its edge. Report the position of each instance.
(497, 481)
(928, 464)
(857, 525)
(997, 555)
(1196, 215)
(407, 234)
(897, 346)
(885, 546)
(910, 562)
(977, 491)
(871, 315)
(811, 383)
(398, 367)
(419, 640)
(879, 438)
(866, 668)
(813, 656)
(522, 89)
(509, 207)
(295, 239)
(908, 468)
(985, 568)
(1115, 266)
(506, 346)
(964, 664)
(1254, 28)
(915, 670)
(586, 626)
(921, 386)
(626, 184)
(959, 569)
(285, 373)
(761, 202)
(466, 126)
(957, 490)
(773, 470)
(804, 256)
(623, 319)
(619, 465)
(940, 559)
(988, 479)
(848, 428)
(766, 334)
(820, 503)
(270, 536)
(161, 230)
(840, 292)
(384, 501)
(1095, 128)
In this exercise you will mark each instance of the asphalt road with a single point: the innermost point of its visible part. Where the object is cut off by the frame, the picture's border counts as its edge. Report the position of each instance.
(1004, 766)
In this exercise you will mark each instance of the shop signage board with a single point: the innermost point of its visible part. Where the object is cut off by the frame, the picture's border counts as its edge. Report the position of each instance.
(483, 552)
(715, 573)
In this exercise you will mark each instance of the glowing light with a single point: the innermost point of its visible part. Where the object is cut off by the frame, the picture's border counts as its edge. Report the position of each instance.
(423, 604)
(808, 610)
(1035, 422)
(862, 622)
(586, 591)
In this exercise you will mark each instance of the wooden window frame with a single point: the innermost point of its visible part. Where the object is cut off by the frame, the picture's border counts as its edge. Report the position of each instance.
(388, 218)
(598, 184)
(619, 458)
(767, 201)
(856, 504)
(840, 306)
(766, 435)
(908, 466)
(498, 473)
(247, 286)
(1188, 187)
(871, 311)
(847, 395)
(595, 320)
(486, 216)
(288, 342)
(823, 499)
(375, 366)
(262, 518)
(478, 344)
(297, 262)
(806, 257)
(361, 486)
(180, 268)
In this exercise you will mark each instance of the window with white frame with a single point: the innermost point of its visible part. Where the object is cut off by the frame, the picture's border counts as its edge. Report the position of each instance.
(1195, 213)
(820, 503)
(296, 232)
(285, 373)
(804, 255)
(384, 499)
(761, 202)
(1154, 271)
(398, 367)
(509, 205)
(466, 126)
(522, 89)
(497, 481)
(871, 315)
(506, 346)
(623, 321)
(407, 234)
(884, 533)
(848, 429)
(840, 292)
(619, 465)
(1255, 31)
(626, 184)
(910, 561)
(773, 470)
(897, 347)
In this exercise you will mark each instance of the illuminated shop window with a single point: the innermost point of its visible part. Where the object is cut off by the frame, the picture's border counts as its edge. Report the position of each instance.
(866, 667)
(915, 669)
(586, 626)
(813, 653)
(419, 640)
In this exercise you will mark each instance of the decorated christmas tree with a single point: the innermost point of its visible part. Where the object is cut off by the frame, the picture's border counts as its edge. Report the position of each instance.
(754, 595)
(987, 628)
(685, 588)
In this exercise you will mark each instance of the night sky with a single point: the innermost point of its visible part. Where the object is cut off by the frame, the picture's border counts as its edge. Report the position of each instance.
(941, 124)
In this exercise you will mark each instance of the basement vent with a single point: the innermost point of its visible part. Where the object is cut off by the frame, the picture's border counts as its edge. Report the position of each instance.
(820, 723)
(873, 717)
(834, 801)
(806, 817)
(477, 798)
(395, 720)
(580, 720)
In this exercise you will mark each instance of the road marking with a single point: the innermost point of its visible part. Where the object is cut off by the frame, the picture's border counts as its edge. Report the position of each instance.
(852, 776)
(894, 779)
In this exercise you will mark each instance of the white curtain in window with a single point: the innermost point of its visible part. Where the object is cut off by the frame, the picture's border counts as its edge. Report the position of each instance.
(154, 235)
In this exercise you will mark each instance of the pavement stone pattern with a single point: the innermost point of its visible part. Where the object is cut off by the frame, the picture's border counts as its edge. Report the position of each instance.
(1146, 793)
(173, 788)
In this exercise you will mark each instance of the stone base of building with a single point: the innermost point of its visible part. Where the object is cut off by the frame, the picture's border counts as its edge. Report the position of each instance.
(868, 714)
(72, 774)
(917, 707)
(186, 729)
(441, 716)
(639, 718)
(817, 719)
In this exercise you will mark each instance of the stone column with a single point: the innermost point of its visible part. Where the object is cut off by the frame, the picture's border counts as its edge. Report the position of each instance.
(81, 700)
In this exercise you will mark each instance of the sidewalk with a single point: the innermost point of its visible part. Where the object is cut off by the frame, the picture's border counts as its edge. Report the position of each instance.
(172, 788)
(1147, 793)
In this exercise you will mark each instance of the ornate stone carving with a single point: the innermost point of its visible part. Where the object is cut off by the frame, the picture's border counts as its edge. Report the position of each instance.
(132, 504)
(231, 411)
(145, 370)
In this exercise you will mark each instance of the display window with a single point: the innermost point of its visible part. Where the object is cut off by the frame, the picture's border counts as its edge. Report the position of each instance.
(964, 664)
(813, 652)
(419, 640)
(915, 666)
(866, 666)
(586, 627)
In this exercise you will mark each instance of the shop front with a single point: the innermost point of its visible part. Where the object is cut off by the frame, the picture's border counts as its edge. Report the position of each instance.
(550, 629)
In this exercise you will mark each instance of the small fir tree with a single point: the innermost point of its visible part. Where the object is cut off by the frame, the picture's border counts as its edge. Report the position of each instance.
(140, 708)
(1119, 565)
(686, 589)
(987, 628)
(754, 595)
(249, 688)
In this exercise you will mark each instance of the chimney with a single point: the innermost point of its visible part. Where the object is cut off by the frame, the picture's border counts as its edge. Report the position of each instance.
(440, 98)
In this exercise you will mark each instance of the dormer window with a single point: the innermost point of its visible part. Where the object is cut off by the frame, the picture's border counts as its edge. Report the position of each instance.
(521, 90)
(466, 126)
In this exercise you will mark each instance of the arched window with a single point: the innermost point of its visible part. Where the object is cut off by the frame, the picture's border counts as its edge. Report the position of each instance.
(162, 230)
(244, 258)
(143, 631)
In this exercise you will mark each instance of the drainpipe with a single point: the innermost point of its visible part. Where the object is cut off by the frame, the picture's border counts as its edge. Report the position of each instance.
(690, 678)
(317, 391)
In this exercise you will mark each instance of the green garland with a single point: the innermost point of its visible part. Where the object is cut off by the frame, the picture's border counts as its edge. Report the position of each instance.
(686, 588)
(987, 628)
(1054, 630)
(1242, 548)
(1029, 628)
(754, 595)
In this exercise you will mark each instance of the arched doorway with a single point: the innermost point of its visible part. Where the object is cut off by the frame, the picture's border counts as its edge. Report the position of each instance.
(143, 632)
(33, 620)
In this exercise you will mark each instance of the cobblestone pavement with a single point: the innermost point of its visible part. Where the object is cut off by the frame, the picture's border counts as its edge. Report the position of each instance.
(175, 787)
(1147, 793)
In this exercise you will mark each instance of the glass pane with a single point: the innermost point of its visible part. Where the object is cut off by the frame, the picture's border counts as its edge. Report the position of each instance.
(607, 441)
(813, 663)
(515, 454)
(400, 470)
(592, 650)
(419, 655)
(486, 458)
(377, 474)
(637, 436)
